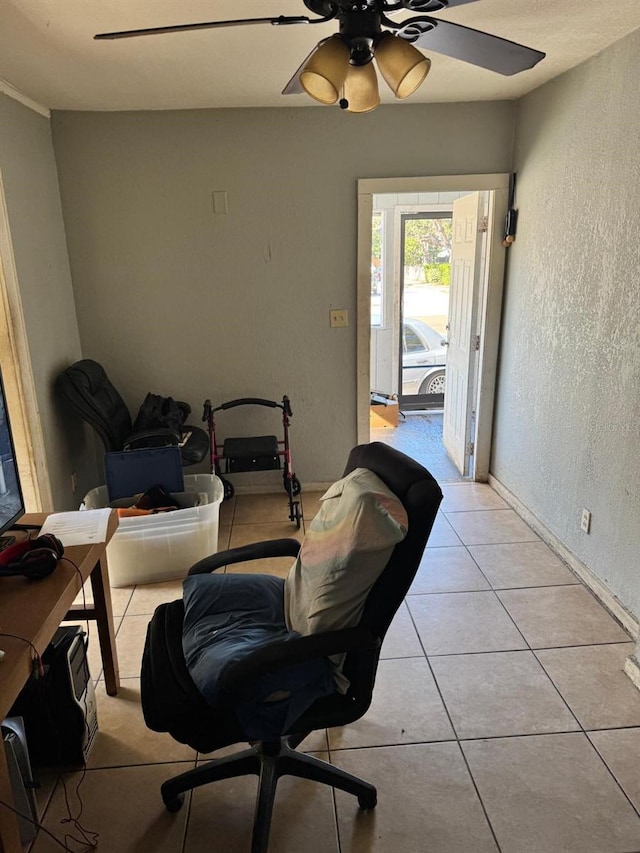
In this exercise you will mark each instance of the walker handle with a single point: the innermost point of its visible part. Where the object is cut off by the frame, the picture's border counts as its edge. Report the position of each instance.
(250, 401)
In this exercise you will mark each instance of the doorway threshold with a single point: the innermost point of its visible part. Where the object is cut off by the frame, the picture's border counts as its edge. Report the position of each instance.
(419, 435)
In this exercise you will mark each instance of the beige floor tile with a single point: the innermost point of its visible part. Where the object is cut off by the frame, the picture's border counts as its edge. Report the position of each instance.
(222, 817)
(46, 779)
(620, 749)
(486, 527)
(461, 497)
(224, 533)
(594, 684)
(245, 534)
(500, 694)
(426, 802)
(123, 738)
(401, 640)
(521, 564)
(226, 514)
(123, 805)
(463, 622)
(317, 741)
(561, 616)
(119, 598)
(148, 596)
(442, 534)
(310, 504)
(547, 793)
(448, 570)
(261, 508)
(406, 708)
(314, 742)
(130, 641)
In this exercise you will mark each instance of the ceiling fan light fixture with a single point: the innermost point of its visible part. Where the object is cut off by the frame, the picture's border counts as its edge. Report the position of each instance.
(361, 88)
(324, 74)
(402, 65)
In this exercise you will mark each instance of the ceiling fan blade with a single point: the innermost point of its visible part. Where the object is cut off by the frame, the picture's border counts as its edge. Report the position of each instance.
(427, 6)
(482, 49)
(282, 20)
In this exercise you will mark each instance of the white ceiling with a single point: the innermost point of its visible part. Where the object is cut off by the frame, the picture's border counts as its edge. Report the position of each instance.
(47, 51)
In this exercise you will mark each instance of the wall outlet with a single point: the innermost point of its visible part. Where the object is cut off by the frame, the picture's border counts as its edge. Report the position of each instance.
(339, 318)
(585, 521)
(74, 482)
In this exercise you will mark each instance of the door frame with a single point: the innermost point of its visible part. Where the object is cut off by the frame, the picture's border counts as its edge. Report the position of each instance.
(490, 309)
(18, 379)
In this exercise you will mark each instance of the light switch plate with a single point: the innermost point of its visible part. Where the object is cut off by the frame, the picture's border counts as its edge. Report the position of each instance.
(339, 318)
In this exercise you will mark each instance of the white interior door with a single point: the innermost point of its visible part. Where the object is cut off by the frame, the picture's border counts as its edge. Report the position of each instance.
(466, 251)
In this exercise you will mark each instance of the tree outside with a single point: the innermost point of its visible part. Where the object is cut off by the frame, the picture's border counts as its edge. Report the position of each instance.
(427, 250)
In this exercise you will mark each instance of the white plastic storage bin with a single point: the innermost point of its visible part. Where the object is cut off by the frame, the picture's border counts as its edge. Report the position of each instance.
(152, 548)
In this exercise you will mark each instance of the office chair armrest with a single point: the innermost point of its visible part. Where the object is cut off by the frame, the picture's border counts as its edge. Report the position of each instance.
(254, 551)
(240, 676)
(152, 438)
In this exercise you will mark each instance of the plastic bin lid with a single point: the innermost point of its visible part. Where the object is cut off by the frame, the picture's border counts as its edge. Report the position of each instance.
(131, 471)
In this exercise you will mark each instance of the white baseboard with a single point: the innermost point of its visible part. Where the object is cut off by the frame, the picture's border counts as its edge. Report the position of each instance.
(268, 489)
(597, 587)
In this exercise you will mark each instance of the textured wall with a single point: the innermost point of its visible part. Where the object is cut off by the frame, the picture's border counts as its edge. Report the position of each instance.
(568, 426)
(35, 221)
(175, 299)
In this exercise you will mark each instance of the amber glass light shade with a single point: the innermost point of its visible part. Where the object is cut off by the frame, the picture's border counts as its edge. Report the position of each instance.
(361, 88)
(402, 65)
(324, 74)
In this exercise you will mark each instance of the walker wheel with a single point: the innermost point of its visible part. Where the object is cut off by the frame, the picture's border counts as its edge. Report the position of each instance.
(291, 485)
(229, 491)
(296, 515)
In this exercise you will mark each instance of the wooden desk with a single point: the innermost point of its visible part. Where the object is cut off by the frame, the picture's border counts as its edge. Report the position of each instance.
(34, 610)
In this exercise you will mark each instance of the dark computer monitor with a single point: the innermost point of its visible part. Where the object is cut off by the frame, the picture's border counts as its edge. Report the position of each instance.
(11, 500)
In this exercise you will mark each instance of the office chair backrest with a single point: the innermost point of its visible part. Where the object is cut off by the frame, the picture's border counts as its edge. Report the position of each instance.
(421, 497)
(87, 388)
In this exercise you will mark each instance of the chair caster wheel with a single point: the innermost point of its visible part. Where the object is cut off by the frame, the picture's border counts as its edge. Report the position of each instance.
(172, 803)
(367, 802)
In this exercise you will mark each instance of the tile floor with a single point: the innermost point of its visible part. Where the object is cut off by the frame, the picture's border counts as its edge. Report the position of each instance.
(501, 721)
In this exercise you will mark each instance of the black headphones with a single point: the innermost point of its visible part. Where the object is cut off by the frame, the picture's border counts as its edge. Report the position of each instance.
(33, 558)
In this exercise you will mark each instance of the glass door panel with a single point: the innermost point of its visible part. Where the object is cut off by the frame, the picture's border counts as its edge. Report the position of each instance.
(425, 273)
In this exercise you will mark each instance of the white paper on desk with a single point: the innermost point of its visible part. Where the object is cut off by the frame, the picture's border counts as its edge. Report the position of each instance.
(83, 527)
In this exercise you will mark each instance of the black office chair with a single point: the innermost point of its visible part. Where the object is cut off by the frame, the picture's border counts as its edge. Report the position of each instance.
(87, 388)
(171, 701)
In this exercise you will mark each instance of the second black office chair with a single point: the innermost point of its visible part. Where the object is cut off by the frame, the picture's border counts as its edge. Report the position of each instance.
(171, 701)
(87, 388)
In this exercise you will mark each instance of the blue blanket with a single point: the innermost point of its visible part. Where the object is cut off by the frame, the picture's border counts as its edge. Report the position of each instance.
(227, 616)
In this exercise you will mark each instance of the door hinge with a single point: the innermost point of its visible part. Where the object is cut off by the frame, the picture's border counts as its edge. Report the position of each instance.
(476, 343)
(470, 448)
(483, 225)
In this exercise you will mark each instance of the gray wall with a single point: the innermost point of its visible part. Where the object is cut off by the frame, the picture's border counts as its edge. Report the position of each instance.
(35, 221)
(175, 299)
(568, 425)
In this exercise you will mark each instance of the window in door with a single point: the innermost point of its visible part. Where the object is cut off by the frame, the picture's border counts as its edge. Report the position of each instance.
(425, 273)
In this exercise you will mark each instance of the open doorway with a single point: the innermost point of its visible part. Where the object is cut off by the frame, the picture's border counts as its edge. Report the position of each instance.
(435, 288)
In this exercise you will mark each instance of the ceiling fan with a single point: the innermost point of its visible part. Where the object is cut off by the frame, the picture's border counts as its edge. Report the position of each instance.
(340, 67)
